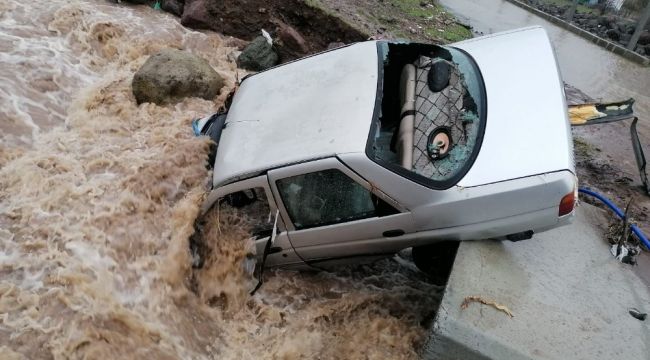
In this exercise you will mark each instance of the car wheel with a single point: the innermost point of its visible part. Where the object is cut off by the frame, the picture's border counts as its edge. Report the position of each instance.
(436, 260)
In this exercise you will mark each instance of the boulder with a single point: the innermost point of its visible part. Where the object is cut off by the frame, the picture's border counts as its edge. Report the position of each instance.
(195, 14)
(172, 75)
(626, 26)
(604, 20)
(592, 24)
(625, 38)
(290, 42)
(609, 21)
(613, 34)
(258, 55)
(173, 6)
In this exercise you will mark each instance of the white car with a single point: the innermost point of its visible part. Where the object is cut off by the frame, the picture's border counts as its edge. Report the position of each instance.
(362, 151)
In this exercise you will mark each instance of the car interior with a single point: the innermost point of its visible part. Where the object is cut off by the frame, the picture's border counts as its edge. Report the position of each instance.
(429, 120)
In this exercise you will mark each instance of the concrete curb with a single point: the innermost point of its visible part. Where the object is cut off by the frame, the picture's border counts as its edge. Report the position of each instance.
(569, 296)
(615, 48)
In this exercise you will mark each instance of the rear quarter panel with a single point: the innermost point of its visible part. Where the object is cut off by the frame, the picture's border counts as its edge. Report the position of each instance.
(460, 206)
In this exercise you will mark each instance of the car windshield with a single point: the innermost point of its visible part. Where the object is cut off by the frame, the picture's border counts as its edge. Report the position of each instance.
(430, 118)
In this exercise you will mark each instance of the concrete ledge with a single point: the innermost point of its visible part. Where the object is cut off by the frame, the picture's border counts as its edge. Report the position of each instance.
(569, 296)
(615, 48)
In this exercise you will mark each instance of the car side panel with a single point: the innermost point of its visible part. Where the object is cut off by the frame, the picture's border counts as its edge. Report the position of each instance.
(541, 220)
(459, 206)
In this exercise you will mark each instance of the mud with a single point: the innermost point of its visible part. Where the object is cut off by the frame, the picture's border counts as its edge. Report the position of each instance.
(311, 27)
(98, 199)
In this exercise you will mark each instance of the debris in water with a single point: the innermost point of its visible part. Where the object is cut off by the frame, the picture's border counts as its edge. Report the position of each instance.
(483, 301)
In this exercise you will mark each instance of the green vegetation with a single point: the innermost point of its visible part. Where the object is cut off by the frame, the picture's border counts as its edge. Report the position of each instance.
(437, 24)
(451, 33)
(415, 20)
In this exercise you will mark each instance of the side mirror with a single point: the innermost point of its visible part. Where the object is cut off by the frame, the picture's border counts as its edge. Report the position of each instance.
(640, 157)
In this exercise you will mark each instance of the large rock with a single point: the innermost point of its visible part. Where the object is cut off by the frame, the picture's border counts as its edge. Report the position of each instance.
(613, 34)
(195, 14)
(258, 55)
(290, 42)
(173, 6)
(172, 75)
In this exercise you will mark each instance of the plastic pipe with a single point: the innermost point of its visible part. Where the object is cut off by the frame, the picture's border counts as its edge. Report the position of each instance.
(615, 209)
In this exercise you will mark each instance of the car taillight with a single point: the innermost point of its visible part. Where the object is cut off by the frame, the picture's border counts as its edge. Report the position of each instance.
(567, 203)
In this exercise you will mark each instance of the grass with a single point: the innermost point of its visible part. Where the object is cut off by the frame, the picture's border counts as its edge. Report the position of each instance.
(438, 24)
(451, 33)
(414, 20)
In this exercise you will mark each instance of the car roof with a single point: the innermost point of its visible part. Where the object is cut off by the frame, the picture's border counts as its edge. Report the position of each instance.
(312, 108)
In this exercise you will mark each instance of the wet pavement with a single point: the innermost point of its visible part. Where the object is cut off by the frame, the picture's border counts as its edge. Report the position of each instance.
(568, 300)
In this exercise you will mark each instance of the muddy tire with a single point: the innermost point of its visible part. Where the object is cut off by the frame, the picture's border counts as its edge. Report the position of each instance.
(436, 260)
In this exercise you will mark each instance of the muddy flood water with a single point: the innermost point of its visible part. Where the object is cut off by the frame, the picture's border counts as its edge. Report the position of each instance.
(98, 197)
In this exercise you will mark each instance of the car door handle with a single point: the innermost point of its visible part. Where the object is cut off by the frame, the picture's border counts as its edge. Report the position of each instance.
(393, 233)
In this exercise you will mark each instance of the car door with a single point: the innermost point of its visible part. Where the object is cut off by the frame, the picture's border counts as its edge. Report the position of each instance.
(332, 213)
(252, 198)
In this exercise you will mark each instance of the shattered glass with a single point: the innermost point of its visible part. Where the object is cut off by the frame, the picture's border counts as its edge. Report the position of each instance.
(448, 111)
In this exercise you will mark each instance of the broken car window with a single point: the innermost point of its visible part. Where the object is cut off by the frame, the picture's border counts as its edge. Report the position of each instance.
(328, 197)
(432, 114)
(253, 206)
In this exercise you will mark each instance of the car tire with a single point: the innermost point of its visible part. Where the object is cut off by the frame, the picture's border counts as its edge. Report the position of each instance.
(436, 260)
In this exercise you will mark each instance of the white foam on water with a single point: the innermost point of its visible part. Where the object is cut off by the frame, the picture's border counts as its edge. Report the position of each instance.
(98, 199)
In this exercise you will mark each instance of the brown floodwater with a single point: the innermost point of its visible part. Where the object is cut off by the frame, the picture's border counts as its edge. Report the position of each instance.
(98, 198)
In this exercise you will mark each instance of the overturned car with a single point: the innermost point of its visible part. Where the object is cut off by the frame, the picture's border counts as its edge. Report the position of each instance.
(362, 151)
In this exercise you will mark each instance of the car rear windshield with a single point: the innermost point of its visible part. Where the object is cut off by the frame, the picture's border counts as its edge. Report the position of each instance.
(430, 113)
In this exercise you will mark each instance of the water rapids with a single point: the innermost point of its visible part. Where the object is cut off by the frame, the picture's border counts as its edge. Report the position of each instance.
(98, 197)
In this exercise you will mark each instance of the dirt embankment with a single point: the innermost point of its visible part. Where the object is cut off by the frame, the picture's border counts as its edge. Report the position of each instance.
(299, 27)
(302, 27)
